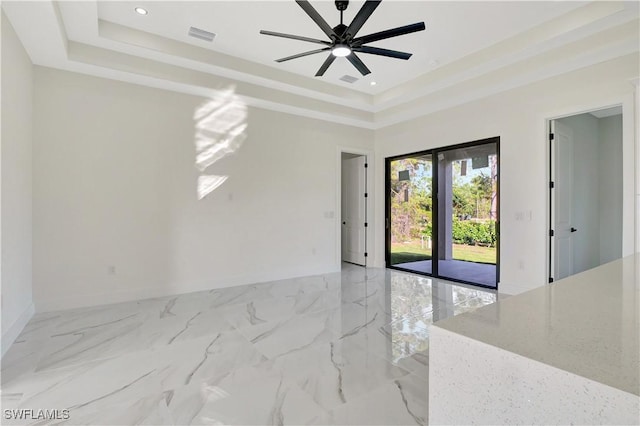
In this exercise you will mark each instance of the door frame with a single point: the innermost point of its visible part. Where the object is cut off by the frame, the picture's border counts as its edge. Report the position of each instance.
(553, 197)
(387, 209)
(369, 243)
(629, 147)
(434, 202)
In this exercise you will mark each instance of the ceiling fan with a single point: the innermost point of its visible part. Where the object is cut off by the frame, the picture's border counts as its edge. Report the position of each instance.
(343, 41)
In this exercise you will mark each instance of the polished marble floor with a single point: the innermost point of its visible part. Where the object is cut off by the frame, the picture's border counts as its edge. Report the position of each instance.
(343, 348)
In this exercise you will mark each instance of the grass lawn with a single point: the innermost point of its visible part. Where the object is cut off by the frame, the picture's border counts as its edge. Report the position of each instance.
(413, 252)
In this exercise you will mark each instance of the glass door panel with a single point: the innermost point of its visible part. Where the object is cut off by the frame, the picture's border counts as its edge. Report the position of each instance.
(411, 213)
(468, 212)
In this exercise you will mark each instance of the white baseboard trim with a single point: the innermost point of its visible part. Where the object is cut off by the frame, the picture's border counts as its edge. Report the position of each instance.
(12, 333)
(87, 300)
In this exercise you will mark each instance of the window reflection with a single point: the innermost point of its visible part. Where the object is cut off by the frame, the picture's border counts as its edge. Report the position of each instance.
(416, 303)
(220, 131)
(390, 313)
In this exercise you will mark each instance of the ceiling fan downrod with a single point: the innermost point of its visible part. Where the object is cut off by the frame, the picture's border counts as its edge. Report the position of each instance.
(342, 5)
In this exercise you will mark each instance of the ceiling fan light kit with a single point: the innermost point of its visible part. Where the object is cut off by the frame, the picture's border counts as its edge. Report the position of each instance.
(342, 39)
(341, 50)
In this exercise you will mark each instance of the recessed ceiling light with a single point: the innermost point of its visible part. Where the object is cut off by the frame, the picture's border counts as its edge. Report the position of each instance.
(141, 11)
(373, 83)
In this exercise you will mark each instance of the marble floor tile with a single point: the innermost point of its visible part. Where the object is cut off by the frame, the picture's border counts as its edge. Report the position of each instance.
(101, 382)
(402, 401)
(84, 343)
(341, 348)
(294, 334)
(91, 390)
(279, 308)
(207, 359)
(265, 400)
(21, 359)
(403, 342)
(40, 326)
(336, 372)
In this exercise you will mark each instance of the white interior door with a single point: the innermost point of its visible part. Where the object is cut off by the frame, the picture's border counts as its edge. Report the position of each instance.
(353, 210)
(562, 200)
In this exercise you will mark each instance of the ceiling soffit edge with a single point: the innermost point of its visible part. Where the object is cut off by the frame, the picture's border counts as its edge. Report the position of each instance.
(217, 62)
(122, 62)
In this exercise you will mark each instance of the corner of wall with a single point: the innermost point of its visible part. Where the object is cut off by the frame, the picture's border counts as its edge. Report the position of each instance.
(16, 193)
(12, 333)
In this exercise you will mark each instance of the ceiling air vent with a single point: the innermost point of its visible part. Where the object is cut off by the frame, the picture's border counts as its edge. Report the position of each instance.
(348, 78)
(201, 34)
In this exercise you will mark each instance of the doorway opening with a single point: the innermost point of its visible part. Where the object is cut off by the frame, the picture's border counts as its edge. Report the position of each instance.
(353, 213)
(585, 191)
(442, 212)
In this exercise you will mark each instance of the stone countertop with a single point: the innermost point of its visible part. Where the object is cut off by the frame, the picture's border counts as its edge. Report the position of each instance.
(587, 324)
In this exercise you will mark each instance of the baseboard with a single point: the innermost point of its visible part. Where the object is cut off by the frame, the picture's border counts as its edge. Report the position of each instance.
(12, 333)
(86, 300)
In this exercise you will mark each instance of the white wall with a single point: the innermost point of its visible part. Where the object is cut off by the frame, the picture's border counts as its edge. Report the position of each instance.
(519, 117)
(586, 191)
(16, 183)
(115, 185)
(610, 189)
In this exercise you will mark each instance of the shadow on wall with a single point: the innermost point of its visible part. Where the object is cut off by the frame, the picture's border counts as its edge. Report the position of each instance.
(221, 125)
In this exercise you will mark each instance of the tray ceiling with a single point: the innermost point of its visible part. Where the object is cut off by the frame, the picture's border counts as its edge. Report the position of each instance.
(469, 50)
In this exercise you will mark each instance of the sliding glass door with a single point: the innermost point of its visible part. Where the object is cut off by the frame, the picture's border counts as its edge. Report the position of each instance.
(442, 215)
(411, 206)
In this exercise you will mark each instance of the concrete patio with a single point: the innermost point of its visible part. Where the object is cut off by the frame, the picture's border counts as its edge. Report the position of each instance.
(480, 273)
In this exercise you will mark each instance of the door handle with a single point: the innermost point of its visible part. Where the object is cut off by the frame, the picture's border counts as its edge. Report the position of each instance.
(573, 229)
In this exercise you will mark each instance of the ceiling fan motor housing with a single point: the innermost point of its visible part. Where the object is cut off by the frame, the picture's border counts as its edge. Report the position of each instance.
(340, 31)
